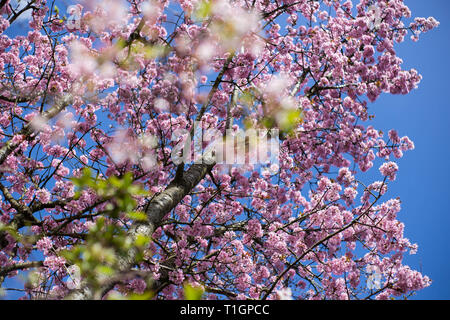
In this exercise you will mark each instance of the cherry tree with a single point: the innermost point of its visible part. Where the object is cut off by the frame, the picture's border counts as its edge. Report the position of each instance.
(106, 191)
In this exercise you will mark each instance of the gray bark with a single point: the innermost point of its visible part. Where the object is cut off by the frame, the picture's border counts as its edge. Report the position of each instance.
(164, 202)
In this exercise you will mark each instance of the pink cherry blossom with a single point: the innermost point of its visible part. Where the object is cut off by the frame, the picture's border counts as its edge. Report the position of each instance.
(122, 93)
(389, 169)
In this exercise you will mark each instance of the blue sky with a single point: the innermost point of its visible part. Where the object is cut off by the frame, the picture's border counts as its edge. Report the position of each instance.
(423, 180)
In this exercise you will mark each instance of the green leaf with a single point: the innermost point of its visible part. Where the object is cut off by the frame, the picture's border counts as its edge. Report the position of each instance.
(268, 122)
(104, 270)
(192, 293)
(121, 43)
(203, 10)
(141, 240)
(137, 191)
(247, 98)
(71, 255)
(115, 182)
(137, 216)
(144, 296)
(289, 119)
(85, 179)
(155, 51)
(11, 231)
